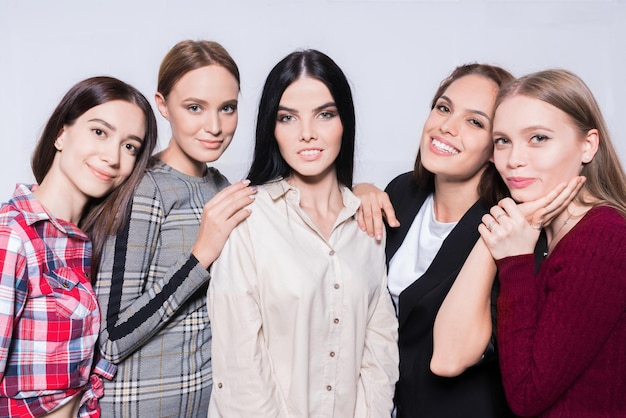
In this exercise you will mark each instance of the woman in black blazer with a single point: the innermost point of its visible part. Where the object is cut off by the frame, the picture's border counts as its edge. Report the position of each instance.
(451, 370)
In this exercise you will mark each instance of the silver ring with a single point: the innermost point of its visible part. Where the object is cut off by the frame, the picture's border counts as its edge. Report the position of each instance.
(500, 216)
(490, 225)
(537, 227)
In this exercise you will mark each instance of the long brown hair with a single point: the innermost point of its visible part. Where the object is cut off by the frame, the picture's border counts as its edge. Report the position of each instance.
(606, 181)
(101, 217)
(491, 188)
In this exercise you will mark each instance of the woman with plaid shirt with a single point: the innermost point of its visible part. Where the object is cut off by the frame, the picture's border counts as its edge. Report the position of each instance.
(87, 162)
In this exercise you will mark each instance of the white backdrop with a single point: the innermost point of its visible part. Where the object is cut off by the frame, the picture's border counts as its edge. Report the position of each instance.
(394, 53)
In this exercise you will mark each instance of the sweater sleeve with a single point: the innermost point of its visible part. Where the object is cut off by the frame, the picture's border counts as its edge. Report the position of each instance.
(133, 307)
(551, 326)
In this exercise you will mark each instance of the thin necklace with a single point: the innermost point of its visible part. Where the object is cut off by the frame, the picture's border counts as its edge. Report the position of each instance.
(545, 254)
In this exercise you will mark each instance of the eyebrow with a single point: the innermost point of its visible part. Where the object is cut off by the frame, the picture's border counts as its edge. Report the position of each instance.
(111, 127)
(479, 112)
(317, 109)
(204, 102)
(528, 129)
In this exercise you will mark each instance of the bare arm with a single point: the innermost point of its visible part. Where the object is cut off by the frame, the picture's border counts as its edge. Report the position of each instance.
(463, 325)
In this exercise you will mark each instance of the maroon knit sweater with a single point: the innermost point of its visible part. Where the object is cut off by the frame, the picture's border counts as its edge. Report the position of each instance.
(562, 332)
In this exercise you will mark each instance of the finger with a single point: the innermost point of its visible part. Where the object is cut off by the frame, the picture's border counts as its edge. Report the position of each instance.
(231, 194)
(378, 225)
(488, 222)
(375, 223)
(566, 196)
(359, 218)
(389, 212)
(537, 219)
(239, 187)
(497, 212)
(222, 210)
(528, 208)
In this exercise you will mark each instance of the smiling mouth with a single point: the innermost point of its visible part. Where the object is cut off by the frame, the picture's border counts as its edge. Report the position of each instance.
(309, 152)
(440, 146)
(102, 175)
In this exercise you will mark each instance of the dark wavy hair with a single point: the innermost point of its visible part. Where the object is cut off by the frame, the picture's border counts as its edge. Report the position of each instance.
(267, 163)
(103, 216)
(491, 187)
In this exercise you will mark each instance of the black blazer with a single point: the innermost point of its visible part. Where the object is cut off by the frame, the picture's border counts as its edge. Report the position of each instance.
(478, 392)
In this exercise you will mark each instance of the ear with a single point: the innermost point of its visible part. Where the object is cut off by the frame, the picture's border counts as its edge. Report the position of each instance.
(161, 105)
(58, 143)
(590, 145)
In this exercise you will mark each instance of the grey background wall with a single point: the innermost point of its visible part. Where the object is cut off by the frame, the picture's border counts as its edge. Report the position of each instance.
(394, 53)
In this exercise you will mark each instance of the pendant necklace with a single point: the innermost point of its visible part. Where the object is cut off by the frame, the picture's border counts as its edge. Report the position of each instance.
(545, 253)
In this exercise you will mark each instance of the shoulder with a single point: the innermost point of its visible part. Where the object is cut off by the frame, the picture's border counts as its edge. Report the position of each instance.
(405, 187)
(217, 178)
(603, 222)
(402, 181)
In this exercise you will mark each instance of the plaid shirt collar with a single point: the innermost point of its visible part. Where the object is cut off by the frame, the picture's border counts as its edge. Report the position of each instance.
(33, 211)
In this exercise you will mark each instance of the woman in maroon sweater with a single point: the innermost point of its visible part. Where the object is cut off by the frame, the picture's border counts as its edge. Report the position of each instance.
(561, 329)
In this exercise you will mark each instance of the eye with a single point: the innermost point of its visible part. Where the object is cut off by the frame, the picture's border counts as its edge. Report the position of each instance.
(442, 108)
(132, 148)
(327, 114)
(194, 108)
(284, 118)
(477, 123)
(501, 141)
(538, 138)
(98, 132)
(230, 108)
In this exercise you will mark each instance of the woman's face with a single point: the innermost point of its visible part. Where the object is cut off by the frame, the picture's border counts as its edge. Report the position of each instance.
(308, 130)
(202, 111)
(537, 146)
(456, 140)
(97, 152)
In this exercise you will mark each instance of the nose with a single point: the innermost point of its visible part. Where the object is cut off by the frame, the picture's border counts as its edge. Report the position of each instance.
(516, 157)
(110, 153)
(449, 126)
(212, 124)
(308, 132)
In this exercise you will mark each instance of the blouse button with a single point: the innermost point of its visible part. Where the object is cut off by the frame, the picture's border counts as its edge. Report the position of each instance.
(329, 388)
(219, 385)
(331, 252)
(332, 354)
(336, 286)
(336, 320)
(65, 285)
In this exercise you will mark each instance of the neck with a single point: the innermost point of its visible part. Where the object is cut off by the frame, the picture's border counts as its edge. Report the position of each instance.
(564, 222)
(453, 199)
(177, 159)
(321, 200)
(61, 202)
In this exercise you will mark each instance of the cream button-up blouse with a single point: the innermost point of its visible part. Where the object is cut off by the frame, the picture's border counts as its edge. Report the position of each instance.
(302, 326)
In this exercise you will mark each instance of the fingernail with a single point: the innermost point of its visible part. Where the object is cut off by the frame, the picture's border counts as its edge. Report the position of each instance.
(246, 182)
